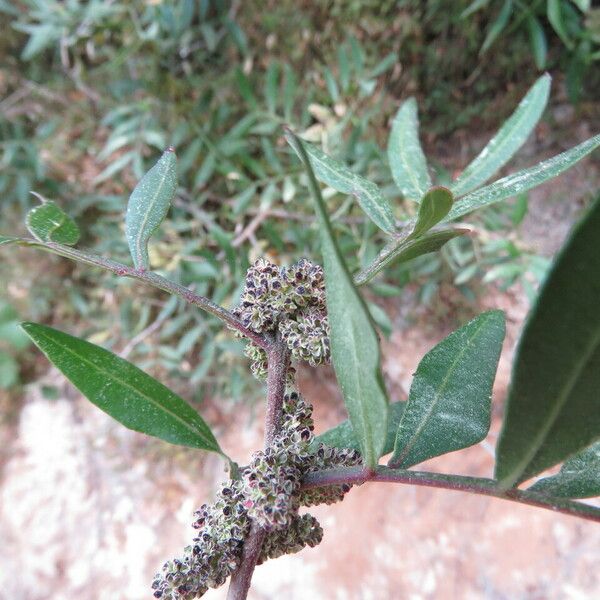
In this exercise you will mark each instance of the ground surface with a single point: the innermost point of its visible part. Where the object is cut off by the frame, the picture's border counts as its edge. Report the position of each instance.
(89, 510)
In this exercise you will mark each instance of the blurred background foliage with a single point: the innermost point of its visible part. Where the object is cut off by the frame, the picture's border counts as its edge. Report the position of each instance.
(92, 91)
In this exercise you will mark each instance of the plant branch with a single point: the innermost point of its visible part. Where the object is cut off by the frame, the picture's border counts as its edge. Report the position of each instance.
(151, 278)
(278, 359)
(474, 485)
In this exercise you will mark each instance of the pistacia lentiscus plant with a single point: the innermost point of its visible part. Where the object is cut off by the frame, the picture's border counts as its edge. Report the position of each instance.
(307, 313)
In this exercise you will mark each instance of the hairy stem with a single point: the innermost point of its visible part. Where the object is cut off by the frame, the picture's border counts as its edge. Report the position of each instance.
(278, 359)
(151, 278)
(474, 485)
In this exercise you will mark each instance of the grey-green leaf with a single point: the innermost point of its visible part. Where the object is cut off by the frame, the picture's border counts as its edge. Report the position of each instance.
(449, 404)
(436, 204)
(579, 477)
(122, 390)
(511, 136)
(49, 223)
(340, 178)
(148, 205)
(342, 435)
(405, 249)
(522, 181)
(407, 160)
(354, 343)
(553, 407)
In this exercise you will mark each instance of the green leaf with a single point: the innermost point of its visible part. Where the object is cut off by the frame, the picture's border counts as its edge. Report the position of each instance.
(122, 390)
(405, 155)
(553, 407)
(406, 249)
(340, 178)
(511, 136)
(473, 7)
(436, 204)
(7, 240)
(538, 41)
(520, 182)
(497, 26)
(342, 435)
(354, 344)
(49, 223)
(555, 16)
(449, 405)
(148, 206)
(579, 477)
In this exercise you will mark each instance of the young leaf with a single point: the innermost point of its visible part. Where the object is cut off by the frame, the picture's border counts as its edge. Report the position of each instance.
(405, 155)
(340, 178)
(354, 344)
(450, 398)
(553, 407)
(148, 206)
(511, 136)
(436, 204)
(579, 477)
(342, 435)
(406, 249)
(49, 223)
(522, 181)
(122, 390)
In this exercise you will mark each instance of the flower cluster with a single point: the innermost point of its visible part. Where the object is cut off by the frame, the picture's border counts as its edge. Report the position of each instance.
(290, 300)
(269, 493)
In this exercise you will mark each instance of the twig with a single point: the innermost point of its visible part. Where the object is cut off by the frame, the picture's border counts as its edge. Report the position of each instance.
(153, 279)
(474, 485)
(278, 364)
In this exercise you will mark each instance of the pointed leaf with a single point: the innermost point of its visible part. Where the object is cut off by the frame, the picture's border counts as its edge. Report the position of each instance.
(497, 26)
(407, 161)
(449, 404)
(49, 223)
(340, 178)
(511, 136)
(579, 477)
(148, 205)
(538, 41)
(122, 390)
(354, 344)
(406, 249)
(555, 16)
(436, 204)
(342, 435)
(522, 181)
(553, 407)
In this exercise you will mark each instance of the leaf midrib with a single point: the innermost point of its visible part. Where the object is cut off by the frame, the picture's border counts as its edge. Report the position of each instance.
(412, 440)
(562, 397)
(109, 375)
(501, 140)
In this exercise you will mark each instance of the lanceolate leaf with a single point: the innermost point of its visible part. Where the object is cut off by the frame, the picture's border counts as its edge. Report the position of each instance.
(122, 390)
(578, 478)
(406, 249)
(553, 408)
(511, 136)
(49, 223)
(354, 344)
(522, 181)
(450, 398)
(497, 26)
(435, 205)
(340, 178)
(148, 205)
(342, 435)
(405, 155)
